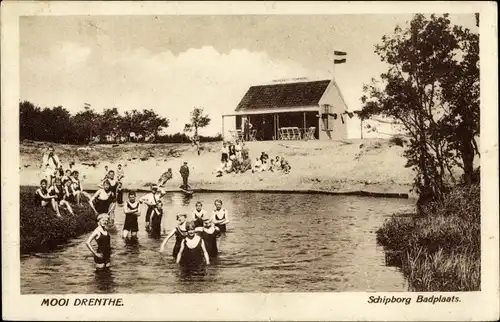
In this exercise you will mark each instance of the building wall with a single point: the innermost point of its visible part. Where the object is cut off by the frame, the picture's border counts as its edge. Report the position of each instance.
(337, 128)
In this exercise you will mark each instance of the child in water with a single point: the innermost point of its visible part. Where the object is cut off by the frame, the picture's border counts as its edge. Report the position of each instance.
(156, 216)
(131, 226)
(209, 234)
(193, 250)
(102, 257)
(220, 218)
(199, 215)
(180, 232)
(102, 201)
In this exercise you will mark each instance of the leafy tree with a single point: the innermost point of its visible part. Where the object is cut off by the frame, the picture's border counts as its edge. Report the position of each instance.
(86, 124)
(430, 89)
(198, 120)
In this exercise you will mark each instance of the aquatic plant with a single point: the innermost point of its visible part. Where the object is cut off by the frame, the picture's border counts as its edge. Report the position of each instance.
(41, 229)
(439, 247)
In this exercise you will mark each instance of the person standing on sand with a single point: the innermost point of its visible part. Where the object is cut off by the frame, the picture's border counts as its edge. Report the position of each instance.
(50, 165)
(224, 153)
(184, 171)
(102, 257)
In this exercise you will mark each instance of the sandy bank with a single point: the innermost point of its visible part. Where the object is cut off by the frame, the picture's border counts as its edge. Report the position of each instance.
(372, 166)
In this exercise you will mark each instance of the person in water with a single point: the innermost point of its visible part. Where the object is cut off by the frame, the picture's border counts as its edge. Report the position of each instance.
(102, 256)
(193, 252)
(180, 233)
(131, 226)
(150, 200)
(199, 215)
(60, 196)
(209, 234)
(156, 217)
(102, 201)
(220, 217)
(42, 197)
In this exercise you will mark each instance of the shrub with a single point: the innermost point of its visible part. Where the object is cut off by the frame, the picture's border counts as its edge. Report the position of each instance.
(41, 229)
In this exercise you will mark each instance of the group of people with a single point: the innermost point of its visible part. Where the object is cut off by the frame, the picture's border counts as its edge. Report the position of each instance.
(235, 159)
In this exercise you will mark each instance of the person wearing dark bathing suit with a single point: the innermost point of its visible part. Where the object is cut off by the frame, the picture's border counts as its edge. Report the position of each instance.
(102, 257)
(102, 200)
(179, 232)
(220, 217)
(156, 217)
(199, 215)
(150, 200)
(42, 197)
(209, 235)
(131, 226)
(59, 193)
(77, 187)
(193, 253)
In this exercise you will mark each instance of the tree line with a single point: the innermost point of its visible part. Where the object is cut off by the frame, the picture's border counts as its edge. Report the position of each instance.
(58, 125)
(431, 88)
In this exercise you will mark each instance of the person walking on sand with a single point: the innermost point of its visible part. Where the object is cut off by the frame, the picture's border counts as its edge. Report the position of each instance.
(102, 256)
(184, 171)
(50, 165)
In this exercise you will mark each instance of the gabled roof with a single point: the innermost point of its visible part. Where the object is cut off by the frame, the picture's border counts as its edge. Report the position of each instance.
(283, 95)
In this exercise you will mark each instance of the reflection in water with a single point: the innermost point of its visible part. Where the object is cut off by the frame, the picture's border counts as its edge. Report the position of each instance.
(104, 281)
(274, 243)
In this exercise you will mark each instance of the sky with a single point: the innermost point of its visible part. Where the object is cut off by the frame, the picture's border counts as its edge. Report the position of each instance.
(174, 63)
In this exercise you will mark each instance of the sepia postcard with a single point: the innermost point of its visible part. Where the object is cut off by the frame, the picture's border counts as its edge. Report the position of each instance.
(260, 161)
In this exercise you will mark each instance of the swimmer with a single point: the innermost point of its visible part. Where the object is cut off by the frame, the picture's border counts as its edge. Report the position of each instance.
(165, 177)
(77, 187)
(180, 232)
(150, 200)
(209, 234)
(131, 226)
(220, 217)
(193, 250)
(59, 200)
(199, 215)
(102, 201)
(156, 217)
(102, 257)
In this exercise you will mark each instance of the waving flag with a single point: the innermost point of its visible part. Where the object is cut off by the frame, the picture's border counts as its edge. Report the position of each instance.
(339, 57)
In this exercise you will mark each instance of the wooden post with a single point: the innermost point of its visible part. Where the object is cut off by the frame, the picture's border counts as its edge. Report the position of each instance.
(361, 129)
(278, 126)
(304, 127)
(222, 128)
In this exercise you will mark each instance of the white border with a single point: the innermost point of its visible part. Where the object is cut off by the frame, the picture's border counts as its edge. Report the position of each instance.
(482, 305)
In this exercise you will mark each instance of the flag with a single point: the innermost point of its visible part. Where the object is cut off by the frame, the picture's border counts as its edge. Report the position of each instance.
(338, 57)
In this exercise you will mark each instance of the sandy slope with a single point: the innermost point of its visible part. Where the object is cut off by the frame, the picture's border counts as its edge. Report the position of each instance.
(372, 165)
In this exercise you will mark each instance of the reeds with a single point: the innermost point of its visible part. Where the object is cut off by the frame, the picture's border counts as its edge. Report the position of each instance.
(439, 248)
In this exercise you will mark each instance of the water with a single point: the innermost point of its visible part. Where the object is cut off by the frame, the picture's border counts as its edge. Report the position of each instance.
(274, 243)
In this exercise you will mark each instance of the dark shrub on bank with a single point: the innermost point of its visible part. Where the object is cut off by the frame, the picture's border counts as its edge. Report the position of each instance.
(41, 229)
(440, 246)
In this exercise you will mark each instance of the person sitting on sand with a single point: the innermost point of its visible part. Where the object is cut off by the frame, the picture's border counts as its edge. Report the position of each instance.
(77, 187)
(167, 175)
(193, 250)
(184, 171)
(264, 157)
(120, 174)
(50, 165)
(131, 226)
(220, 217)
(67, 175)
(102, 201)
(59, 200)
(285, 166)
(257, 166)
(150, 200)
(42, 197)
(102, 256)
(236, 165)
(199, 214)
(156, 217)
(209, 234)
(245, 165)
(180, 233)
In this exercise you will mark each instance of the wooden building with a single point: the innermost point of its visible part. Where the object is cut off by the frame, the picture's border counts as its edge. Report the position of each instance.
(295, 110)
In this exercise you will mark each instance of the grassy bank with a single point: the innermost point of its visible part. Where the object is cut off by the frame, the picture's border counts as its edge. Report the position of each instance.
(439, 249)
(41, 229)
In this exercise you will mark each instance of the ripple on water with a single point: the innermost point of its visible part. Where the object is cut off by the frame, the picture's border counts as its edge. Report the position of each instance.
(275, 243)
